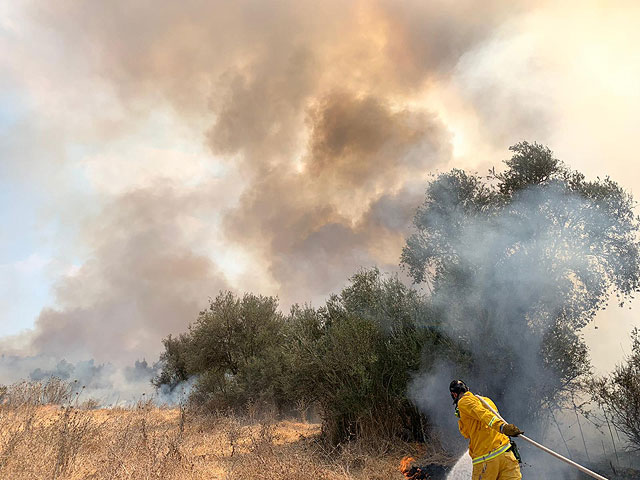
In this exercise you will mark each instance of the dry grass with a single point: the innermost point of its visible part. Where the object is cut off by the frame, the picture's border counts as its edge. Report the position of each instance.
(147, 442)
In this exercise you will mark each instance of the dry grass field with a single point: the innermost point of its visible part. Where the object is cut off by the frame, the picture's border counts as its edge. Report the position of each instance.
(146, 442)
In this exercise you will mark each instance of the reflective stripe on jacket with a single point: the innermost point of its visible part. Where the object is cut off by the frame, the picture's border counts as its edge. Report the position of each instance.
(481, 427)
(491, 455)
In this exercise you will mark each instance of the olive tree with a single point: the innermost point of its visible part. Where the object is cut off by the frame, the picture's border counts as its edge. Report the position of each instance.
(518, 262)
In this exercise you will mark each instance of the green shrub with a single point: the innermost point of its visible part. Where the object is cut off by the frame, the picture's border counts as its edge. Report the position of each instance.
(353, 358)
(356, 355)
(234, 348)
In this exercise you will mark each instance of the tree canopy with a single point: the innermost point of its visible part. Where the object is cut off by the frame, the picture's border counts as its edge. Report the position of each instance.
(519, 261)
(233, 348)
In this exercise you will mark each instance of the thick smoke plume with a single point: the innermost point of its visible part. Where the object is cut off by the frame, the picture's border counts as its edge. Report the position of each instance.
(320, 154)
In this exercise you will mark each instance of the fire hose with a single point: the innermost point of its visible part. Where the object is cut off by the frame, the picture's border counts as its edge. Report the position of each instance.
(545, 449)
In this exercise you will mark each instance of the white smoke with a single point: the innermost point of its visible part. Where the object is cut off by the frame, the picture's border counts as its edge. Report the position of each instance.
(105, 384)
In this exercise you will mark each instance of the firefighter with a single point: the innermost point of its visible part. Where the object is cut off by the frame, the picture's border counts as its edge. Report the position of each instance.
(489, 444)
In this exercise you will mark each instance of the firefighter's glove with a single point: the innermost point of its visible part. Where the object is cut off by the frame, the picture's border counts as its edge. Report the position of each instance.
(510, 430)
(457, 412)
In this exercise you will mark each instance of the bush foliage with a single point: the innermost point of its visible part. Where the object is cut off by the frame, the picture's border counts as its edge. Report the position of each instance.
(235, 348)
(352, 357)
(519, 262)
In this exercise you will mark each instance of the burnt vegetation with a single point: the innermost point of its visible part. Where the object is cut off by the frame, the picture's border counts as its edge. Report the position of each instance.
(507, 269)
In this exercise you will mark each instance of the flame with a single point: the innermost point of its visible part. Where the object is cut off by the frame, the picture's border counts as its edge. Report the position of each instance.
(413, 472)
(405, 465)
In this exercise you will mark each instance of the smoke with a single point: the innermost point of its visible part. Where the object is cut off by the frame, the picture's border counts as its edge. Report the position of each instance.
(518, 279)
(427, 393)
(316, 152)
(164, 152)
(107, 384)
(364, 164)
(143, 281)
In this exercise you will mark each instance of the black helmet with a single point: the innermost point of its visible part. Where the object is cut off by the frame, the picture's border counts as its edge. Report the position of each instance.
(456, 388)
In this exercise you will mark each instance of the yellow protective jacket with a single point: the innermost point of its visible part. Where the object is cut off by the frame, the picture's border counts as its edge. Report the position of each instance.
(481, 427)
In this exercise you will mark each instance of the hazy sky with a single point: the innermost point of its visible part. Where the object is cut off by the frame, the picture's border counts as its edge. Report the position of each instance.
(153, 153)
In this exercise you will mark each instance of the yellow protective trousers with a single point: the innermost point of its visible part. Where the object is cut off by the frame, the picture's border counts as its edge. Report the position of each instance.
(502, 467)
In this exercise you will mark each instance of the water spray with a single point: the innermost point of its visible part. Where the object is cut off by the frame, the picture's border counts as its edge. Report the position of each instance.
(543, 448)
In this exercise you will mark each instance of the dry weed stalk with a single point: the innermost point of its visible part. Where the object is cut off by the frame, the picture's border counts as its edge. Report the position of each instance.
(150, 443)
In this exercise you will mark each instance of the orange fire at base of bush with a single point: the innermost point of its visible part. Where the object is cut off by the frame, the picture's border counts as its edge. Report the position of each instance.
(405, 465)
(413, 472)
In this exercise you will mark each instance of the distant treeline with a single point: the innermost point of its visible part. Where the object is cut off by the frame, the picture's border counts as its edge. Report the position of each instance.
(514, 265)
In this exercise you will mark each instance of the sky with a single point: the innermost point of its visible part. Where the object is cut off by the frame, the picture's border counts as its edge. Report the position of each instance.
(154, 153)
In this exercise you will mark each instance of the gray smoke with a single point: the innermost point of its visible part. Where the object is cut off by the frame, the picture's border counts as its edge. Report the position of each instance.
(535, 269)
(319, 151)
(105, 384)
(143, 281)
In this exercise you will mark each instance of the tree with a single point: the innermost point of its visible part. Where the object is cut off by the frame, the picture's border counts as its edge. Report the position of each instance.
(234, 348)
(355, 356)
(174, 362)
(518, 262)
(619, 394)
